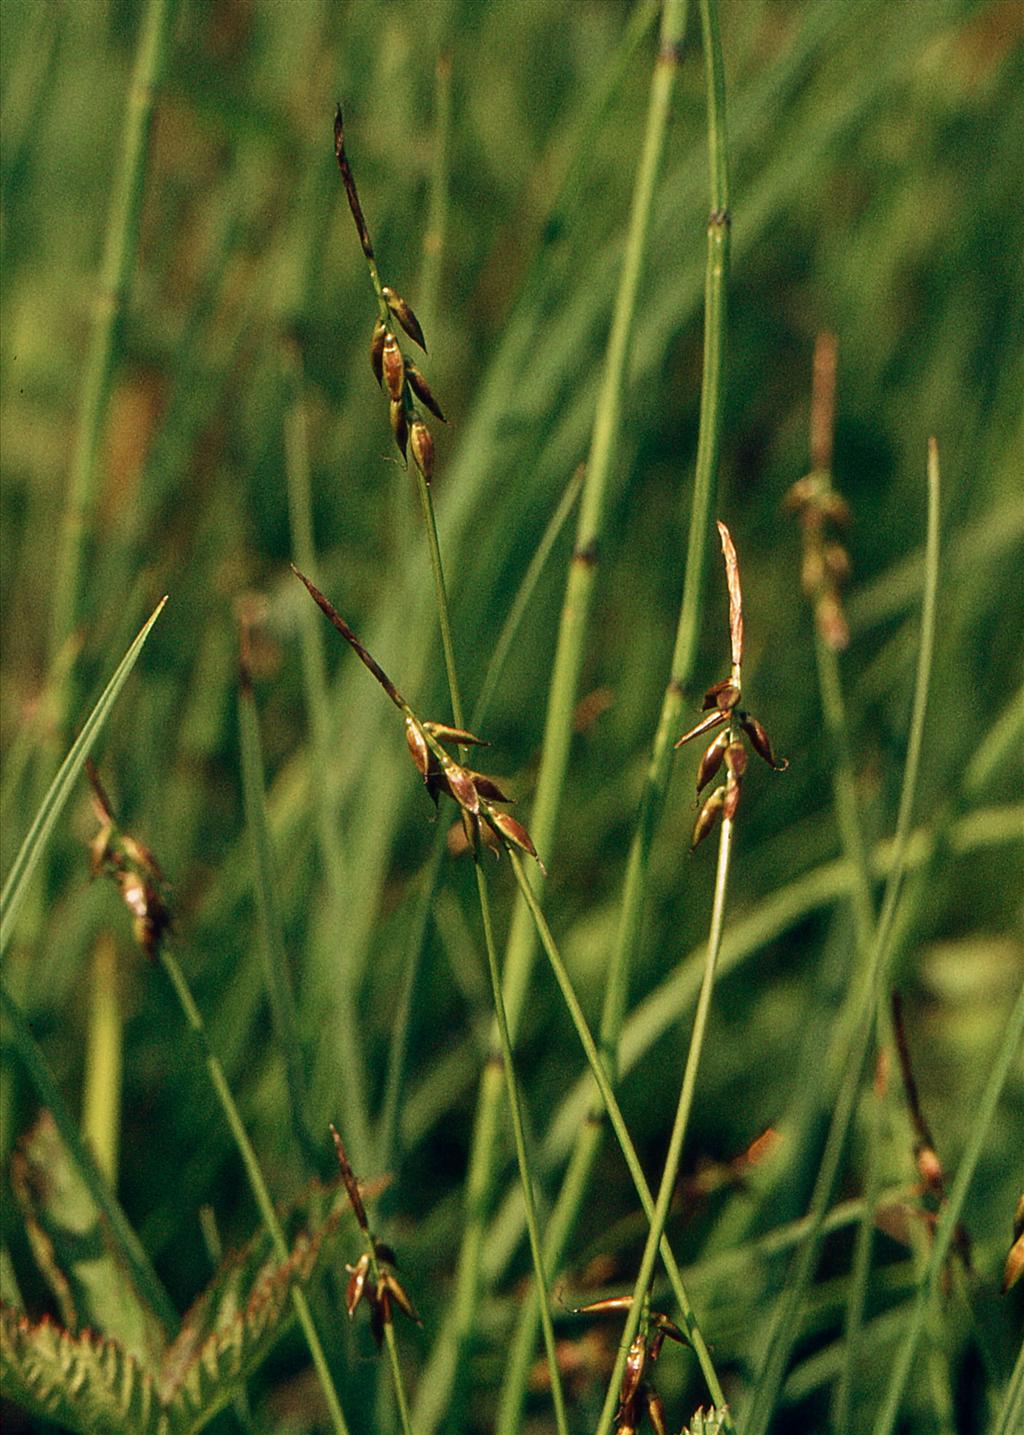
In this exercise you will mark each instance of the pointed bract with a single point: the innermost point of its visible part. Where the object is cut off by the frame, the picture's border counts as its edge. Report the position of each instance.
(403, 313)
(422, 390)
(377, 352)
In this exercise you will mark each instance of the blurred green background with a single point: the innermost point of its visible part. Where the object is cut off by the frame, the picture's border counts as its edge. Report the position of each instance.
(876, 156)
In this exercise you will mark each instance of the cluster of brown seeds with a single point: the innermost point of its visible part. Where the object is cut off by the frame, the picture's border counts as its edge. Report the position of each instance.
(637, 1397)
(722, 704)
(372, 1280)
(474, 792)
(394, 371)
(822, 512)
(134, 871)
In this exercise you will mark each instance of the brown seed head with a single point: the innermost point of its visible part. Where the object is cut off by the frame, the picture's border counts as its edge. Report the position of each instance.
(403, 313)
(707, 817)
(422, 444)
(736, 759)
(761, 742)
(377, 351)
(445, 733)
(462, 787)
(636, 1361)
(655, 1411)
(712, 760)
(399, 426)
(422, 390)
(506, 826)
(421, 753)
(392, 366)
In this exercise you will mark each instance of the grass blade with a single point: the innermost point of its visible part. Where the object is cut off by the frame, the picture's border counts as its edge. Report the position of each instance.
(52, 805)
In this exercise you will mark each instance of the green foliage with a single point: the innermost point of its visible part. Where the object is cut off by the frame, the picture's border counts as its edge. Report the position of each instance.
(109, 1366)
(222, 408)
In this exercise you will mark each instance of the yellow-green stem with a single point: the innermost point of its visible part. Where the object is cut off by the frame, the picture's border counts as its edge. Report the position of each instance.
(101, 1104)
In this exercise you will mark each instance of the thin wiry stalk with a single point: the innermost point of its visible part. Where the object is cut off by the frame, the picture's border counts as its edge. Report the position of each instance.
(343, 1015)
(675, 1146)
(271, 928)
(574, 623)
(123, 1233)
(467, 1309)
(945, 1228)
(101, 1102)
(1011, 1412)
(784, 1325)
(590, 1132)
(120, 248)
(614, 1111)
(257, 1182)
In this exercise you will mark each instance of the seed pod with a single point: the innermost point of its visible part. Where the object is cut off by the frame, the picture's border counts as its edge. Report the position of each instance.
(422, 443)
(422, 390)
(513, 832)
(421, 753)
(100, 851)
(392, 366)
(835, 508)
(655, 1411)
(761, 742)
(395, 1288)
(487, 787)
(377, 352)
(461, 787)
(669, 1328)
(736, 760)
(356, 1283)
(399, 426)
(707, 817)
(713, 720)
(723, 695)
(403, 313)
(634, 1369)
(837, 561)
(731, 801)
(712, 760)
(444, 733)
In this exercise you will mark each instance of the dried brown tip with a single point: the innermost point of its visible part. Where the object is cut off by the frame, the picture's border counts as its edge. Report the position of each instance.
(377, 351)
(514, 832)
(421, 442)
(823, 401)
(706, 724)
(356, 1287)
(762, 743)
(332, 614)
(403, 313)
(732, 578)
(422, 390)
(392, 366)
(348, 180)
(462, 787)
(400, 427)
(707, 817)
(655, 1411)
(711, 760)
(355, 1200)
(421, 753)
(445, 733)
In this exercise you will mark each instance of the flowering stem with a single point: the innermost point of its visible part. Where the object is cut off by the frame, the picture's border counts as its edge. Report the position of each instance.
(675, 1146)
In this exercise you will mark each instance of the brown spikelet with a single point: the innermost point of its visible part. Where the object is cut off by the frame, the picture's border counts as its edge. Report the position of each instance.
(732, 578)
(421, 442)
(399, 426)
(422, 390)
(403, 313)
(377, 351)
(392, 366)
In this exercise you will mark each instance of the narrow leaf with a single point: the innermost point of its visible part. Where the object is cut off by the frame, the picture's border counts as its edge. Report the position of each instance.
(52, 805)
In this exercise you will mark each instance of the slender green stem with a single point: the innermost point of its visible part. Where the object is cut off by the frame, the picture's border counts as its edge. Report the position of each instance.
(676, 1139)
(1007, 1054)
(1011, 1412)
(397, 1379)
(616, 984)
(271, 929)
(863, 1004)
(101, 1103)
(522, 1156)
(257, 1183)
(436, 228)
(614, 1111)
(342, 1018)
(574, 623)
(120, 248)
(45, 1083)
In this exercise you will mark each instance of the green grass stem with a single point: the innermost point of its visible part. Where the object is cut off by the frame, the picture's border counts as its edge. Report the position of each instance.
(257, 1183)
(1011, 1412)
(863, 1004)
(343, 995)
(574, 624)
(101, 1101)
(271, 928)
(588, 1140)
(675, 1148)
(1007, 1054)
(120, 250)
